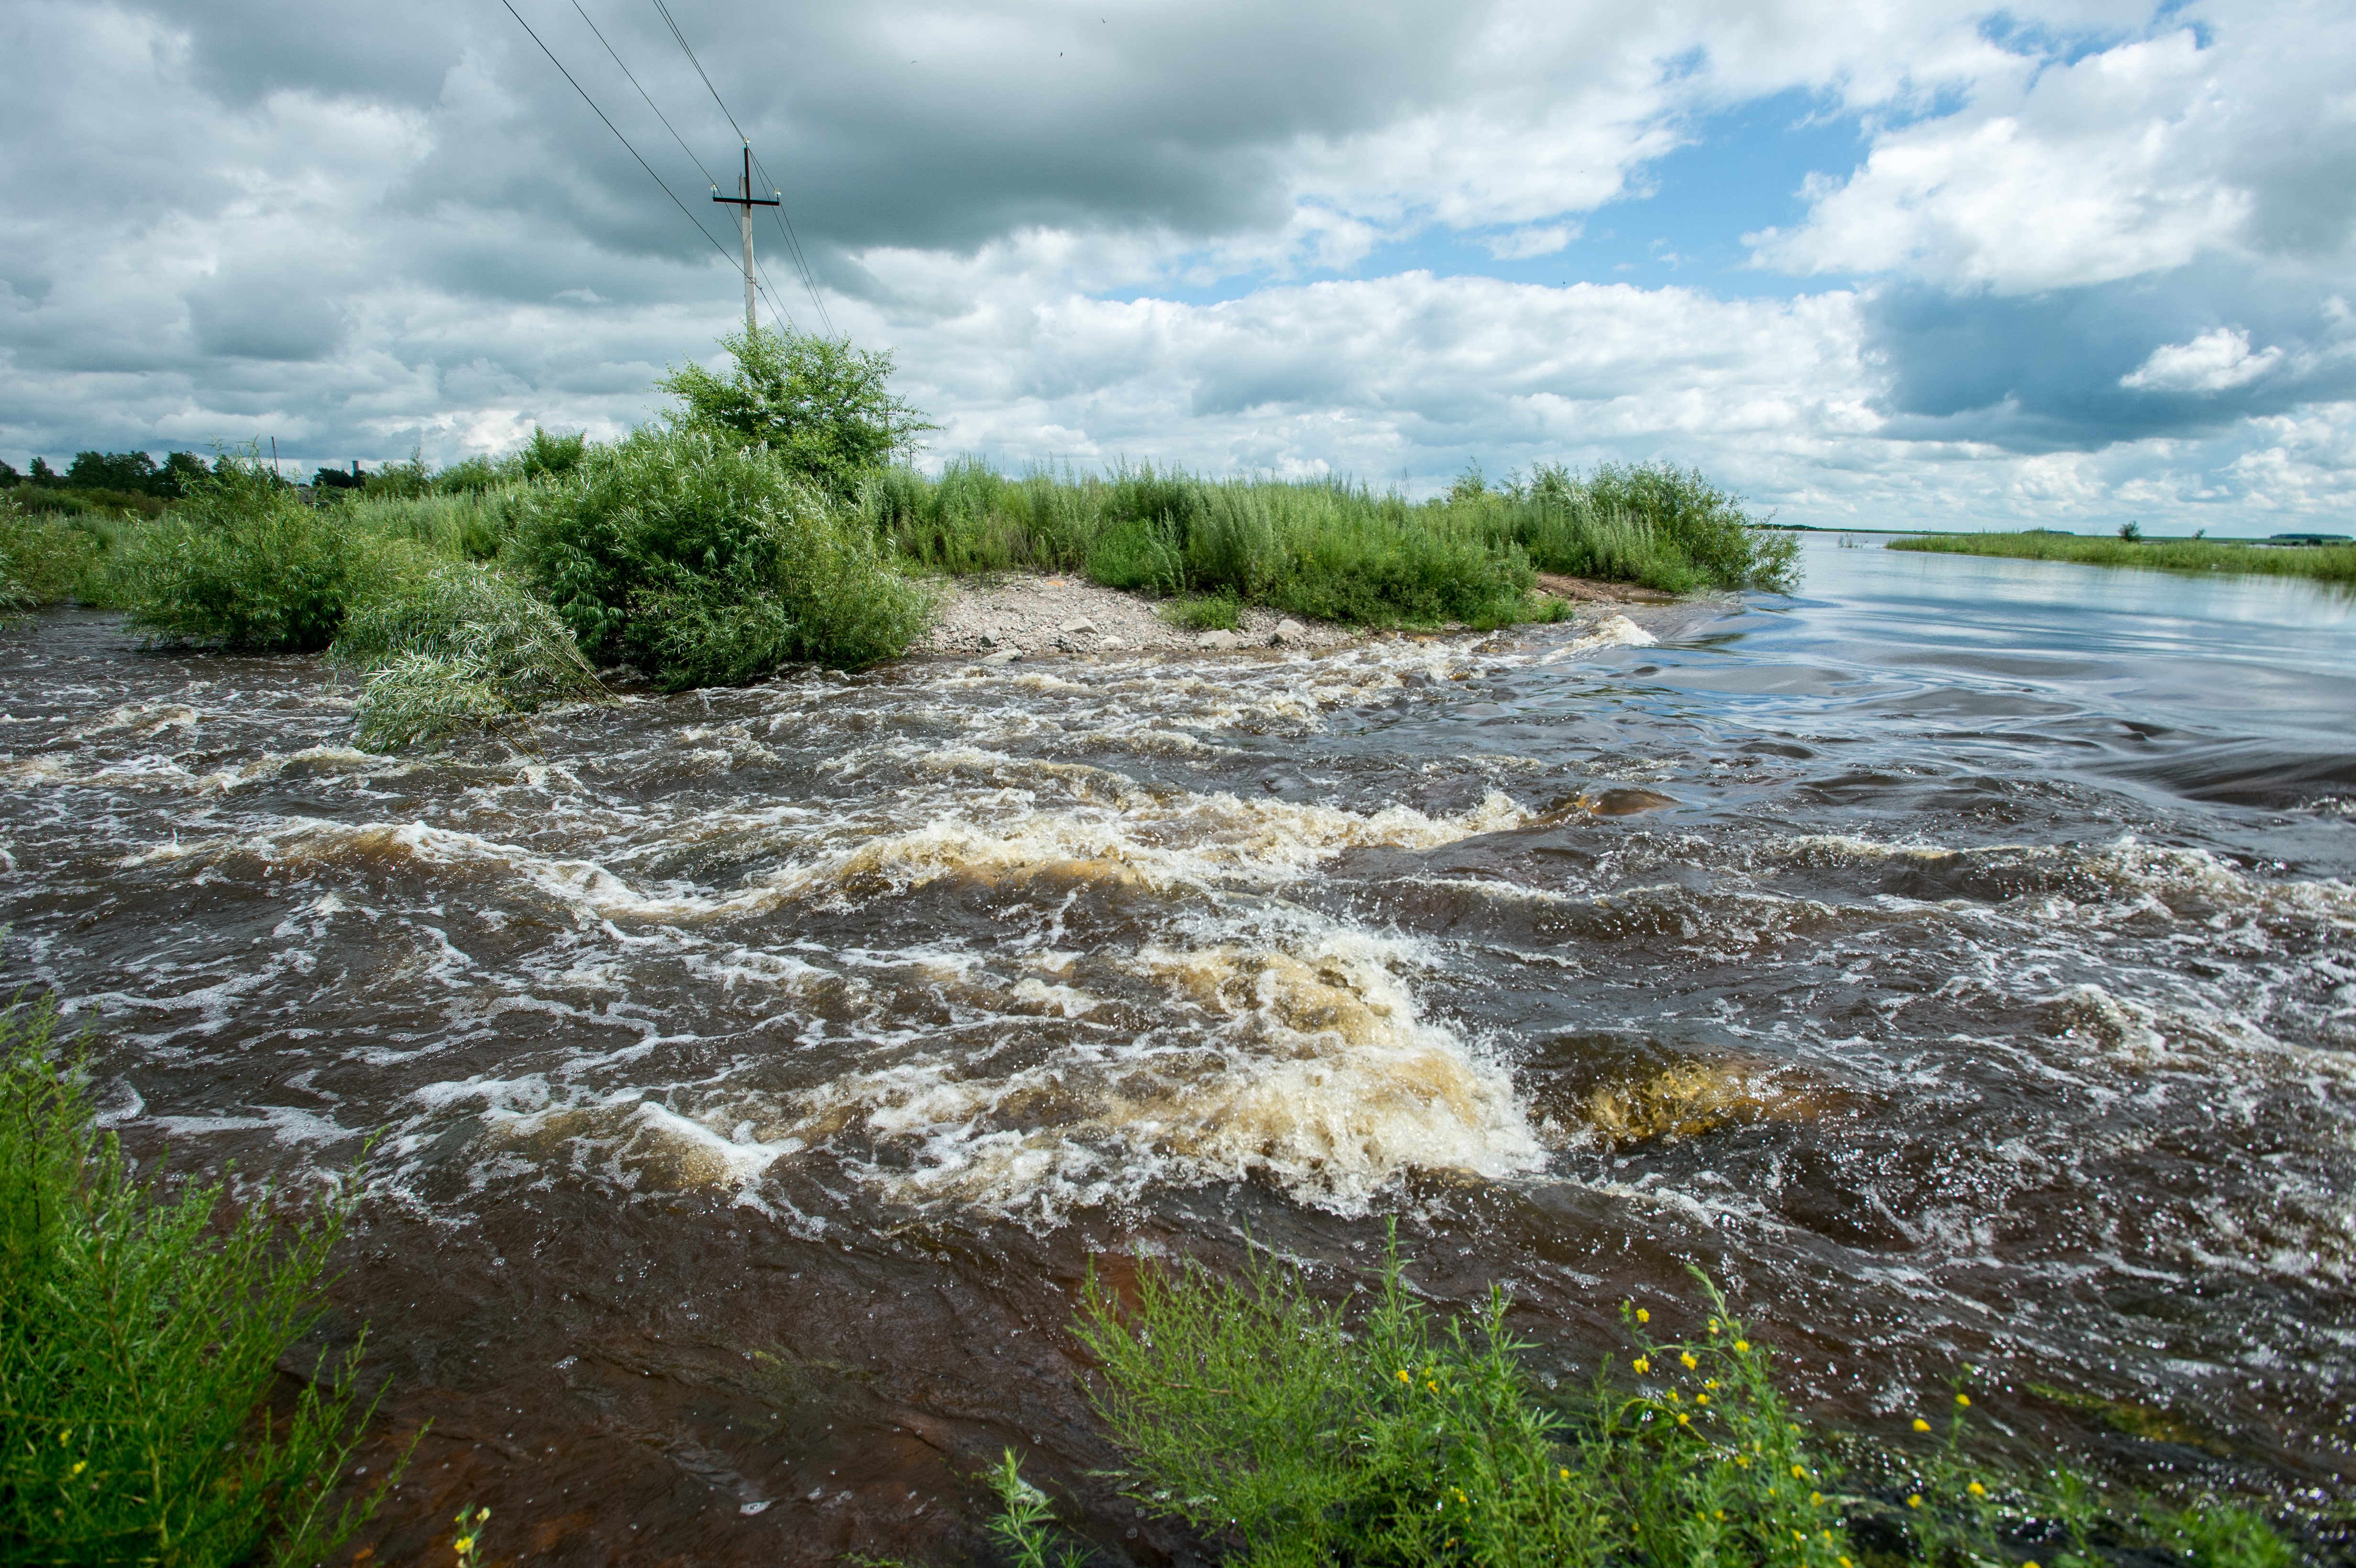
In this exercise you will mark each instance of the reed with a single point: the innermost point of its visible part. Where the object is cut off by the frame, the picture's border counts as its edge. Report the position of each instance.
(2333, 563)
(140, 1338)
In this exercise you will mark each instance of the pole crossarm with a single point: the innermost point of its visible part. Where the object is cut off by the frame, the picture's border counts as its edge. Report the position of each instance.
(745, 201)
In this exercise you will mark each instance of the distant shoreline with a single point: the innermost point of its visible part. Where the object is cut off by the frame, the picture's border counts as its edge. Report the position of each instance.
(2334, 563)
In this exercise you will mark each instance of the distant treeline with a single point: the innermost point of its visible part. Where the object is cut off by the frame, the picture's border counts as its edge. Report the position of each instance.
(127, 475)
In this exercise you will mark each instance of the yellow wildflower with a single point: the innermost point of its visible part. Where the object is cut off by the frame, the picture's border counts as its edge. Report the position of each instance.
(1433, 1386)
(1642, 1316)
(1799, 1472)
(1566, 1472)
(1920, 1424)
(1641, 1366)
(1964, 1399)
(1689, 1359)
(1742, 1346)
(79, 1465)
(1701, 1398)
(1711, 1383)
(1405, 1376)
(1683, 1420)
(1915, 1499)
(1976, 1489)
(1815, 1499)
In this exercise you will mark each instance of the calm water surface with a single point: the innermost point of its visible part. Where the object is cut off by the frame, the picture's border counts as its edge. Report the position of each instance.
(1958, 960)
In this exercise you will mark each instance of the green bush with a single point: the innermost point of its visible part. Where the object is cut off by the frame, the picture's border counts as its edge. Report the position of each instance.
(243, 564)
(139, 1351)
(823, 409)
(463, 648)
(703, 562)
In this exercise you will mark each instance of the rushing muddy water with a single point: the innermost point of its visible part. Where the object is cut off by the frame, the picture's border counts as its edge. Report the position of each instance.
(1958, 960)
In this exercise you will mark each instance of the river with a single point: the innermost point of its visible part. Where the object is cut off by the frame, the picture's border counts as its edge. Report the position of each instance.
(1958, 959)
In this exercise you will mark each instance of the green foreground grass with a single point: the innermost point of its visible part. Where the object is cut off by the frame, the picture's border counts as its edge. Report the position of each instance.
(140, 1339)
(1286, 1431)
(2325, 563)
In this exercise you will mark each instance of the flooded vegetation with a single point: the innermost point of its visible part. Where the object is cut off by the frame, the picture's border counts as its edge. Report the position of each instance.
(1958, 969)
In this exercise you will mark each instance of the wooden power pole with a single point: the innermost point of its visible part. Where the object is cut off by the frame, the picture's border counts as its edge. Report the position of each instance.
(745, 201)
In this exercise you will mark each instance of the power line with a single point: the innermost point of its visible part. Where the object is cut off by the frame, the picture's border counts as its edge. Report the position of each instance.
(689, 51)
(793, 247)
(768, 288)
(651, 102)
(601, 115)
(785, 225)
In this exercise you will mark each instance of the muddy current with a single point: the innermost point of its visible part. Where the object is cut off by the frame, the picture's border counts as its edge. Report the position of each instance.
(1957, 960)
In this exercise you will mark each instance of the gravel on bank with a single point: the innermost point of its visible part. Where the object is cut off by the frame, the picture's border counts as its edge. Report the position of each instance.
(1016, 616)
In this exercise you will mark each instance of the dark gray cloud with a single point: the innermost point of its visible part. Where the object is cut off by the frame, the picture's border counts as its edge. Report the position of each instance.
(2054, 372)
(362, 228)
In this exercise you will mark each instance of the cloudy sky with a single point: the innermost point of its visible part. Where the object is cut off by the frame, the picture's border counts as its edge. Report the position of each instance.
(1889, 262)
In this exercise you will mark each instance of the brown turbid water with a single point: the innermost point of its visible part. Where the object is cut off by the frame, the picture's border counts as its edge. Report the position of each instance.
(1958, 961)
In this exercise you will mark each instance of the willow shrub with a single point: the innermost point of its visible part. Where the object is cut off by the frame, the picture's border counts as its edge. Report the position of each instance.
(242, 563)
(464, 649)
(139, 1350)
(1290, 1432)
(703, 562)
(44, 558)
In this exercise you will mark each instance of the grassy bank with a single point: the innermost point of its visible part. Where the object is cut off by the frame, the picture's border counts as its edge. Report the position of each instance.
(1285, 1430)
(757, 526)
(2325, 563)
(139, 1337)
(1330, 549)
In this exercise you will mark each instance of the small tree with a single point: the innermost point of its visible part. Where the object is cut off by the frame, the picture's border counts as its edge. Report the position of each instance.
(823, 408)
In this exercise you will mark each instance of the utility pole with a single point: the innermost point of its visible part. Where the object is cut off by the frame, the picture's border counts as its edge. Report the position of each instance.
(745, 201)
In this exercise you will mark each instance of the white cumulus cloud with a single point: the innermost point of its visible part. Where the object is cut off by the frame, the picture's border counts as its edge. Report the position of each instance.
(2212, 362)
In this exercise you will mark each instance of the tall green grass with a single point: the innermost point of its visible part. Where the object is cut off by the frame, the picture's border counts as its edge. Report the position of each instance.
(1330, 550)
(1287, 1431)
(140, 1338)
(2326, 563)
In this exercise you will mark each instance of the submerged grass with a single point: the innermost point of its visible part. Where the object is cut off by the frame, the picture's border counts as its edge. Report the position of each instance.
(464, 649)
(140, 1339)
(1288, 1432)
(2334, 563)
